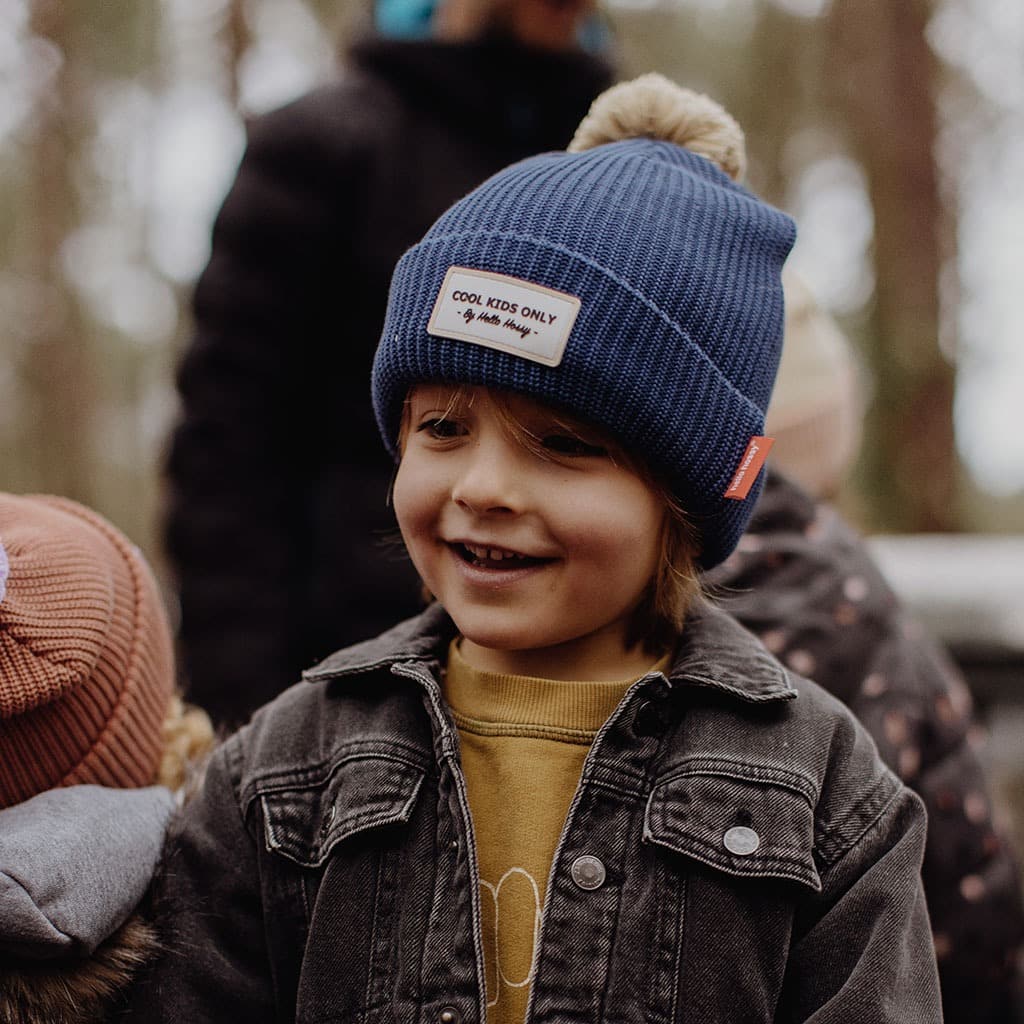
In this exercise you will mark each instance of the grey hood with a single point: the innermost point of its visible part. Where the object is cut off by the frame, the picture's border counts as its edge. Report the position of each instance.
(74, 863)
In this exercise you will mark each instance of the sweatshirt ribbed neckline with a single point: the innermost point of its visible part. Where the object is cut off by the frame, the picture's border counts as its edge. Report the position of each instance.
(503, 703)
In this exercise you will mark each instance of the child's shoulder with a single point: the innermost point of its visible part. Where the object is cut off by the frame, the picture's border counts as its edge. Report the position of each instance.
(756, 733)
(352, 705)
(751, 703)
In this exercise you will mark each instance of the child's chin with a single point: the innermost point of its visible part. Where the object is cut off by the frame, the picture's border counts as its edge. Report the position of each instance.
(496, 640)
(493, 636)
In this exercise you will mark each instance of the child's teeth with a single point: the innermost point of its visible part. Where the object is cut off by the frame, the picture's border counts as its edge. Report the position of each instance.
(492, 554)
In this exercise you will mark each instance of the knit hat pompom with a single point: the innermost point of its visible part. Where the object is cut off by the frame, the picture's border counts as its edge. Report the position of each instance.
(86, 669)
(652, 107)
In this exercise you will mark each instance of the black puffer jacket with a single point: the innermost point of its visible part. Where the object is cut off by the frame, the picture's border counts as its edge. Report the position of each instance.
(277, 523)
(802, 580)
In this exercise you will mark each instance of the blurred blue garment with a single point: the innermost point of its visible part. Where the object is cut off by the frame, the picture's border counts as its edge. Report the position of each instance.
(404, 19)
(595, 35)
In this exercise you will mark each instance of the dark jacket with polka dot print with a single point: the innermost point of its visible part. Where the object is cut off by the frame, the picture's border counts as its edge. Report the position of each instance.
(803, 581)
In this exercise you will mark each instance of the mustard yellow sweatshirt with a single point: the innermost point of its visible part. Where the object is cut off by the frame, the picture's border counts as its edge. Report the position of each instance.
(524, 741)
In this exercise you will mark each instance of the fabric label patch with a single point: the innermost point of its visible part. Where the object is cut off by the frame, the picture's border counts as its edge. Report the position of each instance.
(505, 313)
(750, 465)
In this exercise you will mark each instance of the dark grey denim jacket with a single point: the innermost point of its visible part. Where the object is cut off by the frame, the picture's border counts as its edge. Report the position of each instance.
(759, 862)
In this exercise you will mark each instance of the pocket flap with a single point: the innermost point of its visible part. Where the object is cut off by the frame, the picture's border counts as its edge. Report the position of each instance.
(736, 820)
(305, 822)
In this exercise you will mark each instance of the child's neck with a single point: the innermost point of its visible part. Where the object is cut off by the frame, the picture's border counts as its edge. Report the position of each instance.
(592, 662)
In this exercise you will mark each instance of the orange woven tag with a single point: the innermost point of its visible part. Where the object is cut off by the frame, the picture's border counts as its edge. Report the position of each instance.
(750, 465)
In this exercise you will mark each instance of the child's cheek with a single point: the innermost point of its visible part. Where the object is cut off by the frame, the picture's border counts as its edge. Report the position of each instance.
(417, 498)
(401, 497)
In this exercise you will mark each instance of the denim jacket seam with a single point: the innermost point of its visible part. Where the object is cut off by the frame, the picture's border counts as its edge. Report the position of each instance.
(317, 775)
(744, 771)
(234, 759)
(601, 994)
(764, 695)
(275, 846)
(797, 869)
(359, 819)
(369, 1001)
(317, 675)
(801, 872)
(752, 862)
(613, 776)
(233, 755)
(871, 808)
(608, 787)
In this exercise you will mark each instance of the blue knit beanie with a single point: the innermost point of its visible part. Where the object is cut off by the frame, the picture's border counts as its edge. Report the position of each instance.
(634, 284)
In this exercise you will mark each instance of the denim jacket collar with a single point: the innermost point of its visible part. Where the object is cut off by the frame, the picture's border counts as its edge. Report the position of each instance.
(424, 638)
(718, 653)
(715, 652)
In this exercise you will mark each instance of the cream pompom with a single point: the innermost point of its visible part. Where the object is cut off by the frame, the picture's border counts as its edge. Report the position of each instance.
(652, 107)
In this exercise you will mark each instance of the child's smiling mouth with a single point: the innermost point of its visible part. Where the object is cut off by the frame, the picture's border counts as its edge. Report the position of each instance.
(487, 557)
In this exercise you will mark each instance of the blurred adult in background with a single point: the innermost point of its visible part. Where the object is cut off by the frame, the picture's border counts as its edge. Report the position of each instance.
(277, 514)
(802, 580)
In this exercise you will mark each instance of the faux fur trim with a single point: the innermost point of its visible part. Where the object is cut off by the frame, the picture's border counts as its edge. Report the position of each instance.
(75, 991)
(188, 741)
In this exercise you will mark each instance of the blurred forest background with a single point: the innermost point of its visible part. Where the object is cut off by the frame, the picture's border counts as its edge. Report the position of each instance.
(894, 132)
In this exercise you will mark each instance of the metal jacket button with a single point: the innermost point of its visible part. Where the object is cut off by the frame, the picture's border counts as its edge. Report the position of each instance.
(741, 840)
(648, 720)
(587, 872)
(449, 1015)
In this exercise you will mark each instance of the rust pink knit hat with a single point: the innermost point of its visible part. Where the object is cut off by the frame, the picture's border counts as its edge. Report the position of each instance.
(86, 669)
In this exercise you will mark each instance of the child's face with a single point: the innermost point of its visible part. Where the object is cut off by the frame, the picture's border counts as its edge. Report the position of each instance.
(540, 557)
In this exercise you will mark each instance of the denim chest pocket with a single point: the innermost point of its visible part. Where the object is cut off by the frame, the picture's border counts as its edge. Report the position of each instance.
(745, 820)
(305, 822)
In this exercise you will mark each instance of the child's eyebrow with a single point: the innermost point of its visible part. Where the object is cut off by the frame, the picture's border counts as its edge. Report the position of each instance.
(577, 428)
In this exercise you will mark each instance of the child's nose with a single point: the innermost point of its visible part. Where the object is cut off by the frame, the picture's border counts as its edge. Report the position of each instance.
(489, 482)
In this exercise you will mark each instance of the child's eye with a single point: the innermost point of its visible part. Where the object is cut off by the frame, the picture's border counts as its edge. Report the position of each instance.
(566, 444)
(441, 428)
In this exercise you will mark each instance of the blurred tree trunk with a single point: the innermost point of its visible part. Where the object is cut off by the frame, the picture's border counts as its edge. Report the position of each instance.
(779, 85)
(237, 38)
(885, 75)
(56, 364)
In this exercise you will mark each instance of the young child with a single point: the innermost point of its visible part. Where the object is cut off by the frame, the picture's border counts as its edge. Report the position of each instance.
(88, 722)
(568, 791)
